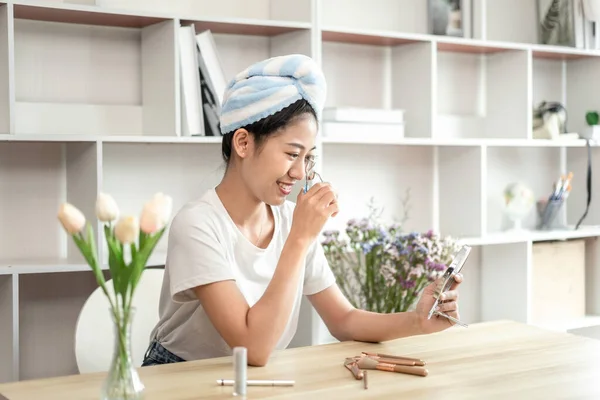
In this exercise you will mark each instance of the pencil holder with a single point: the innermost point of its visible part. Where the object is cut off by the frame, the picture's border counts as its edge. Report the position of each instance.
(549, 212)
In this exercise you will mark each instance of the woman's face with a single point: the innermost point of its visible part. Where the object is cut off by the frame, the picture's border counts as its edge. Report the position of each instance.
(280, 163)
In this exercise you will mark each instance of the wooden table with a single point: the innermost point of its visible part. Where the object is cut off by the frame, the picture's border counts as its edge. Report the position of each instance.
(496, 360)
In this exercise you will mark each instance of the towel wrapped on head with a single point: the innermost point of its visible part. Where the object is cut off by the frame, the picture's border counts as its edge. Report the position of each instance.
(269, 86)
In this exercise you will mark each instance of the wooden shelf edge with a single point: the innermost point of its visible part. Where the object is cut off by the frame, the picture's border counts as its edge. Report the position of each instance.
(110, 139)
(531, 236)
(96, 15)
(84, 14)
(407, 141)
(451, 44)
(246, 26)
(48, 266)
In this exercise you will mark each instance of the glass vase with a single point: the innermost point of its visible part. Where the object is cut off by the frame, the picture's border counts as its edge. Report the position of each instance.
(122, 381)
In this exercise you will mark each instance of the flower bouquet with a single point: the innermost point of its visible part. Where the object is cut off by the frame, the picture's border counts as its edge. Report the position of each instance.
(379, 268)
(130, 242)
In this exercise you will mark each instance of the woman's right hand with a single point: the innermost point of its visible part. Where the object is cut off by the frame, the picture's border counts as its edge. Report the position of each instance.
(312, 210)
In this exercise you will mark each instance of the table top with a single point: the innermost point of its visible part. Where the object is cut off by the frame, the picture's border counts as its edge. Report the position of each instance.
(493, 360)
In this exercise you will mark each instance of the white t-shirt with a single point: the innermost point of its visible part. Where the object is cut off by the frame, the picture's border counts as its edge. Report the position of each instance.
(204, 246)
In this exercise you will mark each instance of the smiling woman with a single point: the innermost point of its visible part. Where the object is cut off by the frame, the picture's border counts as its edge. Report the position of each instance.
(241, 257)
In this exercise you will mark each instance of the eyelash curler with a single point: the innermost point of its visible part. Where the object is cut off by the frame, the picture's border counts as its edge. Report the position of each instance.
(310, 175)
(446, 282)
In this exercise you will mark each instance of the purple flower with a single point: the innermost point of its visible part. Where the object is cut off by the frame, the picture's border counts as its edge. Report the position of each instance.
(406, 283)
(439, 267)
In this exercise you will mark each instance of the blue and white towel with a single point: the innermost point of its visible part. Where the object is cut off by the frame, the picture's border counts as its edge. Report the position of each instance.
(268, 86)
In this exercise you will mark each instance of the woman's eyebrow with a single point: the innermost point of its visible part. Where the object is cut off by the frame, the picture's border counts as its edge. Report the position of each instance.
(299, 146)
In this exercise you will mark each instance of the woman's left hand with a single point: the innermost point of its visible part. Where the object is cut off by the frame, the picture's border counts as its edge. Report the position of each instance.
(448, 305)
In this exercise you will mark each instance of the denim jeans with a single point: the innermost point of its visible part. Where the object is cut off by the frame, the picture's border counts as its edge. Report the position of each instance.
(157, 354)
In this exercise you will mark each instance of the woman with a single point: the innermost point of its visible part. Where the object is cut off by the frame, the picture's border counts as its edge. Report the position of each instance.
(241, 257)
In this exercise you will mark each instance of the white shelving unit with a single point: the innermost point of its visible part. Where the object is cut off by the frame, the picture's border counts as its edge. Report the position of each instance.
(89, 101)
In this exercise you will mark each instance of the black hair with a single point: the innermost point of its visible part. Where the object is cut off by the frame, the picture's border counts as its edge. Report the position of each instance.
(268, 126)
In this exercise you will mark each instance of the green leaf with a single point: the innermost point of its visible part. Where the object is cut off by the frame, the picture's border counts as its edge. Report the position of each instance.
(142, 239)
(94, 254)
(592, 118)
(116, 262)
(86, 248)
(139, 262)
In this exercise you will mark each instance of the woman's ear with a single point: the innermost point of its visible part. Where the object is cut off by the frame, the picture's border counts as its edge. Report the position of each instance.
(241, 142)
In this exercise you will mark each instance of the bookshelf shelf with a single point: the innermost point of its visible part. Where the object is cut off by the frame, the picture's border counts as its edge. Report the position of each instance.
(83, 14)
(91, 100)
(109, 139)
(533, 236)
(247, 27)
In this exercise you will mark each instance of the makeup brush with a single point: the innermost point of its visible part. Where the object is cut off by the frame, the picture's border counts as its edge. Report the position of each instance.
(353, 367)
(369, 363)
(395, 361)
(416, 360)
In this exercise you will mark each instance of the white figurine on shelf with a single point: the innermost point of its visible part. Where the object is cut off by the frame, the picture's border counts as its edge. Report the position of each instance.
(518, 203)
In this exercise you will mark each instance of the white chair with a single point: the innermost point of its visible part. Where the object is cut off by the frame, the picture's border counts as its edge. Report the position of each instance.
(94, 334)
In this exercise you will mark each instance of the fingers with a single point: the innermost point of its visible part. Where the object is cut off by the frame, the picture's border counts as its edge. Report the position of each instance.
(450, 295)
(327, 199)
(318, 190)
(458, 278)
(333, 209)
(448, 308)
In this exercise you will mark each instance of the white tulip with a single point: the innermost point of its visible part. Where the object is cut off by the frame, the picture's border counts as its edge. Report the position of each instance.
(72, 220)
(127, 229)
(156, 213)
(106, 208)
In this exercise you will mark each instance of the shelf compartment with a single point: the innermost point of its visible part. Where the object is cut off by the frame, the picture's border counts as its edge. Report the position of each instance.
(49, 305)
(390, 15)
(275, 10)
(505, 267)
(475, 101)
(515, 21)
(196, 167)
(555, 301)
(237, 52)
(579, 262)
(577, 162)
(536, 168)
(460, 194)
(72, 78)
(567, 82)
(40, 177)
(398, 77)
(358, 176)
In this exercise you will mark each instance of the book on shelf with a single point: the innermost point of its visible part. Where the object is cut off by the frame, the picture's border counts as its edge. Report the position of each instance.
(211, 65)
(202, 83)
(192, 118)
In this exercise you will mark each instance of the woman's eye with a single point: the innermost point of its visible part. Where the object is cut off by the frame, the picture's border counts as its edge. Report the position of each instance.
(293, 155)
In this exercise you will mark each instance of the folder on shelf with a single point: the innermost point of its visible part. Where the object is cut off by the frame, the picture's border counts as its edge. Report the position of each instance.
(192, 117)
(212, 82)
